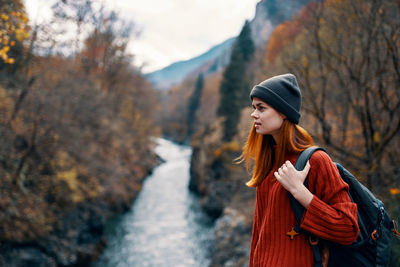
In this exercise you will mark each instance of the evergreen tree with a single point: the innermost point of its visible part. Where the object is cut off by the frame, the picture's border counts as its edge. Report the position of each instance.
(245, 42)
(193, 105)
(230, 92)
(246, 48)
(234, 87)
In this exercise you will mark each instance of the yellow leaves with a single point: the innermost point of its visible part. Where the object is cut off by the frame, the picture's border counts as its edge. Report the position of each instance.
(358, 154)
(231, 146)
(79, 185)
(6, 49)
(21, 34)
(304, 59)
(70, 177)
(63, 160)
(394, 191)
(4, 17)
(4, 55)
(13, 28)
(373, 167)
(25, 19)
(79, 191)
(334, 2)
(56, 137)
(10, 61)
(6, 104)
(377, 137)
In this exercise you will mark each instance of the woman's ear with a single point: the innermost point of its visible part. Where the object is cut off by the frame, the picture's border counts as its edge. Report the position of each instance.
(283, 116)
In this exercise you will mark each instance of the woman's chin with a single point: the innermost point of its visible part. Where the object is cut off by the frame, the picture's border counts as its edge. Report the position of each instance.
(259, 131)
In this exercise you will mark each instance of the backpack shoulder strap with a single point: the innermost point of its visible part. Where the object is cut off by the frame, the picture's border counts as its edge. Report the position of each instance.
(297, 208)
(301, 162)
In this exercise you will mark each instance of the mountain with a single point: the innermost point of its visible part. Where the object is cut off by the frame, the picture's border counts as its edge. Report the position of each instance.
(215, 58)
(269, 14)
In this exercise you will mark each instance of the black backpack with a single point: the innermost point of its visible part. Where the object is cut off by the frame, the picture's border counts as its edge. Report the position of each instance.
(373, 244)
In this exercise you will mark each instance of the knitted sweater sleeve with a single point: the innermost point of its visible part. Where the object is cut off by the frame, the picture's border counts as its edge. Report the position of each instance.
(331, 214)
(254, 237)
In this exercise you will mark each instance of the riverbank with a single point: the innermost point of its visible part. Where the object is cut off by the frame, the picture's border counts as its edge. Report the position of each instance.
(165, 225)
(224, 196)
(68, 231)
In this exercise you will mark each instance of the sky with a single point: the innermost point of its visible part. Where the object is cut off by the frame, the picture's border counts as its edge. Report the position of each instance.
(170, 30)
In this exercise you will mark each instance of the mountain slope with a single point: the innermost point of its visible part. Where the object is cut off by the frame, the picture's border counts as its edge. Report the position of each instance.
(269, 14)
(176, 72)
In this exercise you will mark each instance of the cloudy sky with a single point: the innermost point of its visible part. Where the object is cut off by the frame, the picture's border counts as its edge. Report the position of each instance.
(171, 30)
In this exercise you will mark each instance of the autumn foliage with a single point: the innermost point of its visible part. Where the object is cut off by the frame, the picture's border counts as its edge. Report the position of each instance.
(75, 137)
(283, 35)
(13, 29)
(346, 57)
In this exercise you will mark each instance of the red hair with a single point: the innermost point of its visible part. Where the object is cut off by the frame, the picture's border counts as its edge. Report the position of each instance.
(260, 150)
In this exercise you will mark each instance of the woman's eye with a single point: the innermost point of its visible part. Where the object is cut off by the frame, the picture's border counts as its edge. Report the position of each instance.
(259, 108)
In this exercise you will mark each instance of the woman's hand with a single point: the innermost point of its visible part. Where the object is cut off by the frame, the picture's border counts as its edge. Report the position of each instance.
(293, 181)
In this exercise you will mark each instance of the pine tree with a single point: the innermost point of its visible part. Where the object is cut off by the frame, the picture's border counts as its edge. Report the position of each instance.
(193, 105)
(234, 88)
(230, 92)
(245, 42)
(246, 48)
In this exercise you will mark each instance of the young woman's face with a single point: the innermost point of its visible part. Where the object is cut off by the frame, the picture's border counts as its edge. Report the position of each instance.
(266, 119)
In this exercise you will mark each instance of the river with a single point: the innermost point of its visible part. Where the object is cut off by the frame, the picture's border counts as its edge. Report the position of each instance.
(165, 225)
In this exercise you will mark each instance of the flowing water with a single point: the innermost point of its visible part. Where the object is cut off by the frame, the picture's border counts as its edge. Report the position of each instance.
(165, 226)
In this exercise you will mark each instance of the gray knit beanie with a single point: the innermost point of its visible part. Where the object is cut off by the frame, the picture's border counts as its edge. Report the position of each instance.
(281, 92)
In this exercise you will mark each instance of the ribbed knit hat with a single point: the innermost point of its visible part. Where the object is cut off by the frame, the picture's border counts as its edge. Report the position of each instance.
(281, 92)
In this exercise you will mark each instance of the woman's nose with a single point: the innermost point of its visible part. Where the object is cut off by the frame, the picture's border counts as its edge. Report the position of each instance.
(254, 114)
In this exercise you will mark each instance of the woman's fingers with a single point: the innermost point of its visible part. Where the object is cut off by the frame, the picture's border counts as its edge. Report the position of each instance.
(288, 164)
(307, 168)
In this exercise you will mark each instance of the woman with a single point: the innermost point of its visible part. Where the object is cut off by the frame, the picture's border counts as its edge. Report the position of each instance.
(272, 148)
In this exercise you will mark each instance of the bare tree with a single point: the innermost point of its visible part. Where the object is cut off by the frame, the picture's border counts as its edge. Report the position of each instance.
(349, 69)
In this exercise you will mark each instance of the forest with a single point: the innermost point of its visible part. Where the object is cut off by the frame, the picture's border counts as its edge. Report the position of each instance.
(77, 120)
(75, 130)
(346, 57)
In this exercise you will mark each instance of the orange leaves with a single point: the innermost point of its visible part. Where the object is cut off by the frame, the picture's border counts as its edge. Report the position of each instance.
(283, 35)
(286, 33)
(394, 191)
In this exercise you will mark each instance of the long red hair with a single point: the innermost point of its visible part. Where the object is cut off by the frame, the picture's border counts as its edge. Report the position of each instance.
(259, 150)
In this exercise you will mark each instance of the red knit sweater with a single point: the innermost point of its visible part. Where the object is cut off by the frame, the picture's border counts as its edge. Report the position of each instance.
(331, 216)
